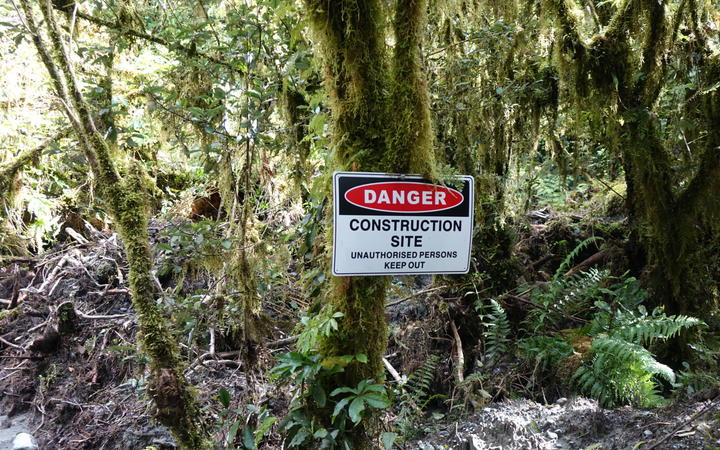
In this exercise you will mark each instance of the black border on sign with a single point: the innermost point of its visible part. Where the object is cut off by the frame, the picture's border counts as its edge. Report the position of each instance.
(471, 213)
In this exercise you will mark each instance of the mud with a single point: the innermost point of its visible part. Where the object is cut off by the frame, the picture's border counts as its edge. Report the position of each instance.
(577, 423)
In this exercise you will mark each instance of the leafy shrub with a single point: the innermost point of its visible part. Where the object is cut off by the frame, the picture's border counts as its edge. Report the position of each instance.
(308, 373)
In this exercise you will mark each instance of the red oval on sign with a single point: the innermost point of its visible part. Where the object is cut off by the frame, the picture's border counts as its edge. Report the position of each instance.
(404, 197)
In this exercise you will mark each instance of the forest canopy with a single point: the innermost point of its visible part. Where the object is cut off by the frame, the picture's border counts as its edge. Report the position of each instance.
(167, 206)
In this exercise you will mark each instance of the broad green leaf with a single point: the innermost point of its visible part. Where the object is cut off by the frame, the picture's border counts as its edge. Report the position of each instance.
(355, 410)
(342, 390)
(299, 438)
(339, 407)
(388, 439)
(224, 397)
(319, 396)
(376, 400)
(248, 438)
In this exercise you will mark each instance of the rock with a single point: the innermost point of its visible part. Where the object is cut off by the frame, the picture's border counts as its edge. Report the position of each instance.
(24, 441)
(552, 435)
(561, 401)
(647, 433)
(474, 443)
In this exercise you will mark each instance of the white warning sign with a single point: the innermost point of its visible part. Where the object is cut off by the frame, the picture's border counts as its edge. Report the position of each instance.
(400, 224)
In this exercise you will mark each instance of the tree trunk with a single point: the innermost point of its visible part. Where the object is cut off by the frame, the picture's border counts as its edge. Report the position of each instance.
(127, 201)
(371, 132)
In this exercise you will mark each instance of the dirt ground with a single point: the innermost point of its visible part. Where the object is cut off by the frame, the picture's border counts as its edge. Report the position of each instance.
(80, 383)
(579, 423)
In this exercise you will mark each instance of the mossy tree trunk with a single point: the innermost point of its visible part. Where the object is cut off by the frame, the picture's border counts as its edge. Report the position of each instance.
(371, 132)
(671, 221)
(127, 202)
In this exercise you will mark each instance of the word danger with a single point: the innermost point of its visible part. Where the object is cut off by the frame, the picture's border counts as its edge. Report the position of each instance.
(404, 197)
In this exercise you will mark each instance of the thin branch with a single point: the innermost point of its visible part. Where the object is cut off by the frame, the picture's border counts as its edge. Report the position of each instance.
(10, 344)
(190, 52)
(8, 170)
(711, 404)
(413, 295)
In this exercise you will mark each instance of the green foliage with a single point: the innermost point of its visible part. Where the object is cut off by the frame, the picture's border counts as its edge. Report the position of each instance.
(573, 255)
(190, 241)
(566, 300)
(496, 329)
(547, 351)
(316, 327)
(414, 397)
(243, 427)
(309, 373)
(357, 400)
(622, 372)
(621, 369)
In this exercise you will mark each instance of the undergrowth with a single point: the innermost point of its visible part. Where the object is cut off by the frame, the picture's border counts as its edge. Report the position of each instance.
(595, 326)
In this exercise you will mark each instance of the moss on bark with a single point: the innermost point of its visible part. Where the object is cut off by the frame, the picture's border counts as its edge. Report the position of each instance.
(358, 76)
(671, 222)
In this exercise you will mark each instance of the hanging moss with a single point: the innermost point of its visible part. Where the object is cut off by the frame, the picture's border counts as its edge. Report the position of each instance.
(174, 397)
(10, 169)
(356, 77)
(294, 104)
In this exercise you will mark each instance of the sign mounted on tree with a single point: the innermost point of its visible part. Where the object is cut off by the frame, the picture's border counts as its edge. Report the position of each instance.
(400, 224)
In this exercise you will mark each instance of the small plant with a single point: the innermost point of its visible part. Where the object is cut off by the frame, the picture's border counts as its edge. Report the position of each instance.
(247, 424)
(547, 351)
(414, 397)
(617, 366)
(567, 299)
(366, 395)
(309, 373)
(497, 330)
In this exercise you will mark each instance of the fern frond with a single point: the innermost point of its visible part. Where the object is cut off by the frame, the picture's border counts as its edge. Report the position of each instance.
(418, 384)
(545, 349)
(646, 329)
(497, 330)
(622, 372)
(565, 266)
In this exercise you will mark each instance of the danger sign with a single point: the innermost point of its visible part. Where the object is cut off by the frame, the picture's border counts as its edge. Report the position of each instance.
(400, 224)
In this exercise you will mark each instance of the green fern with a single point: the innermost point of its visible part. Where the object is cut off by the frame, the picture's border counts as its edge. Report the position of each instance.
(415, 395)
(545, 350)
(622, 372)
(645, 330)
(566, 297)
(621, 369)
(418, 384)
(565, 266)
(497, 330)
